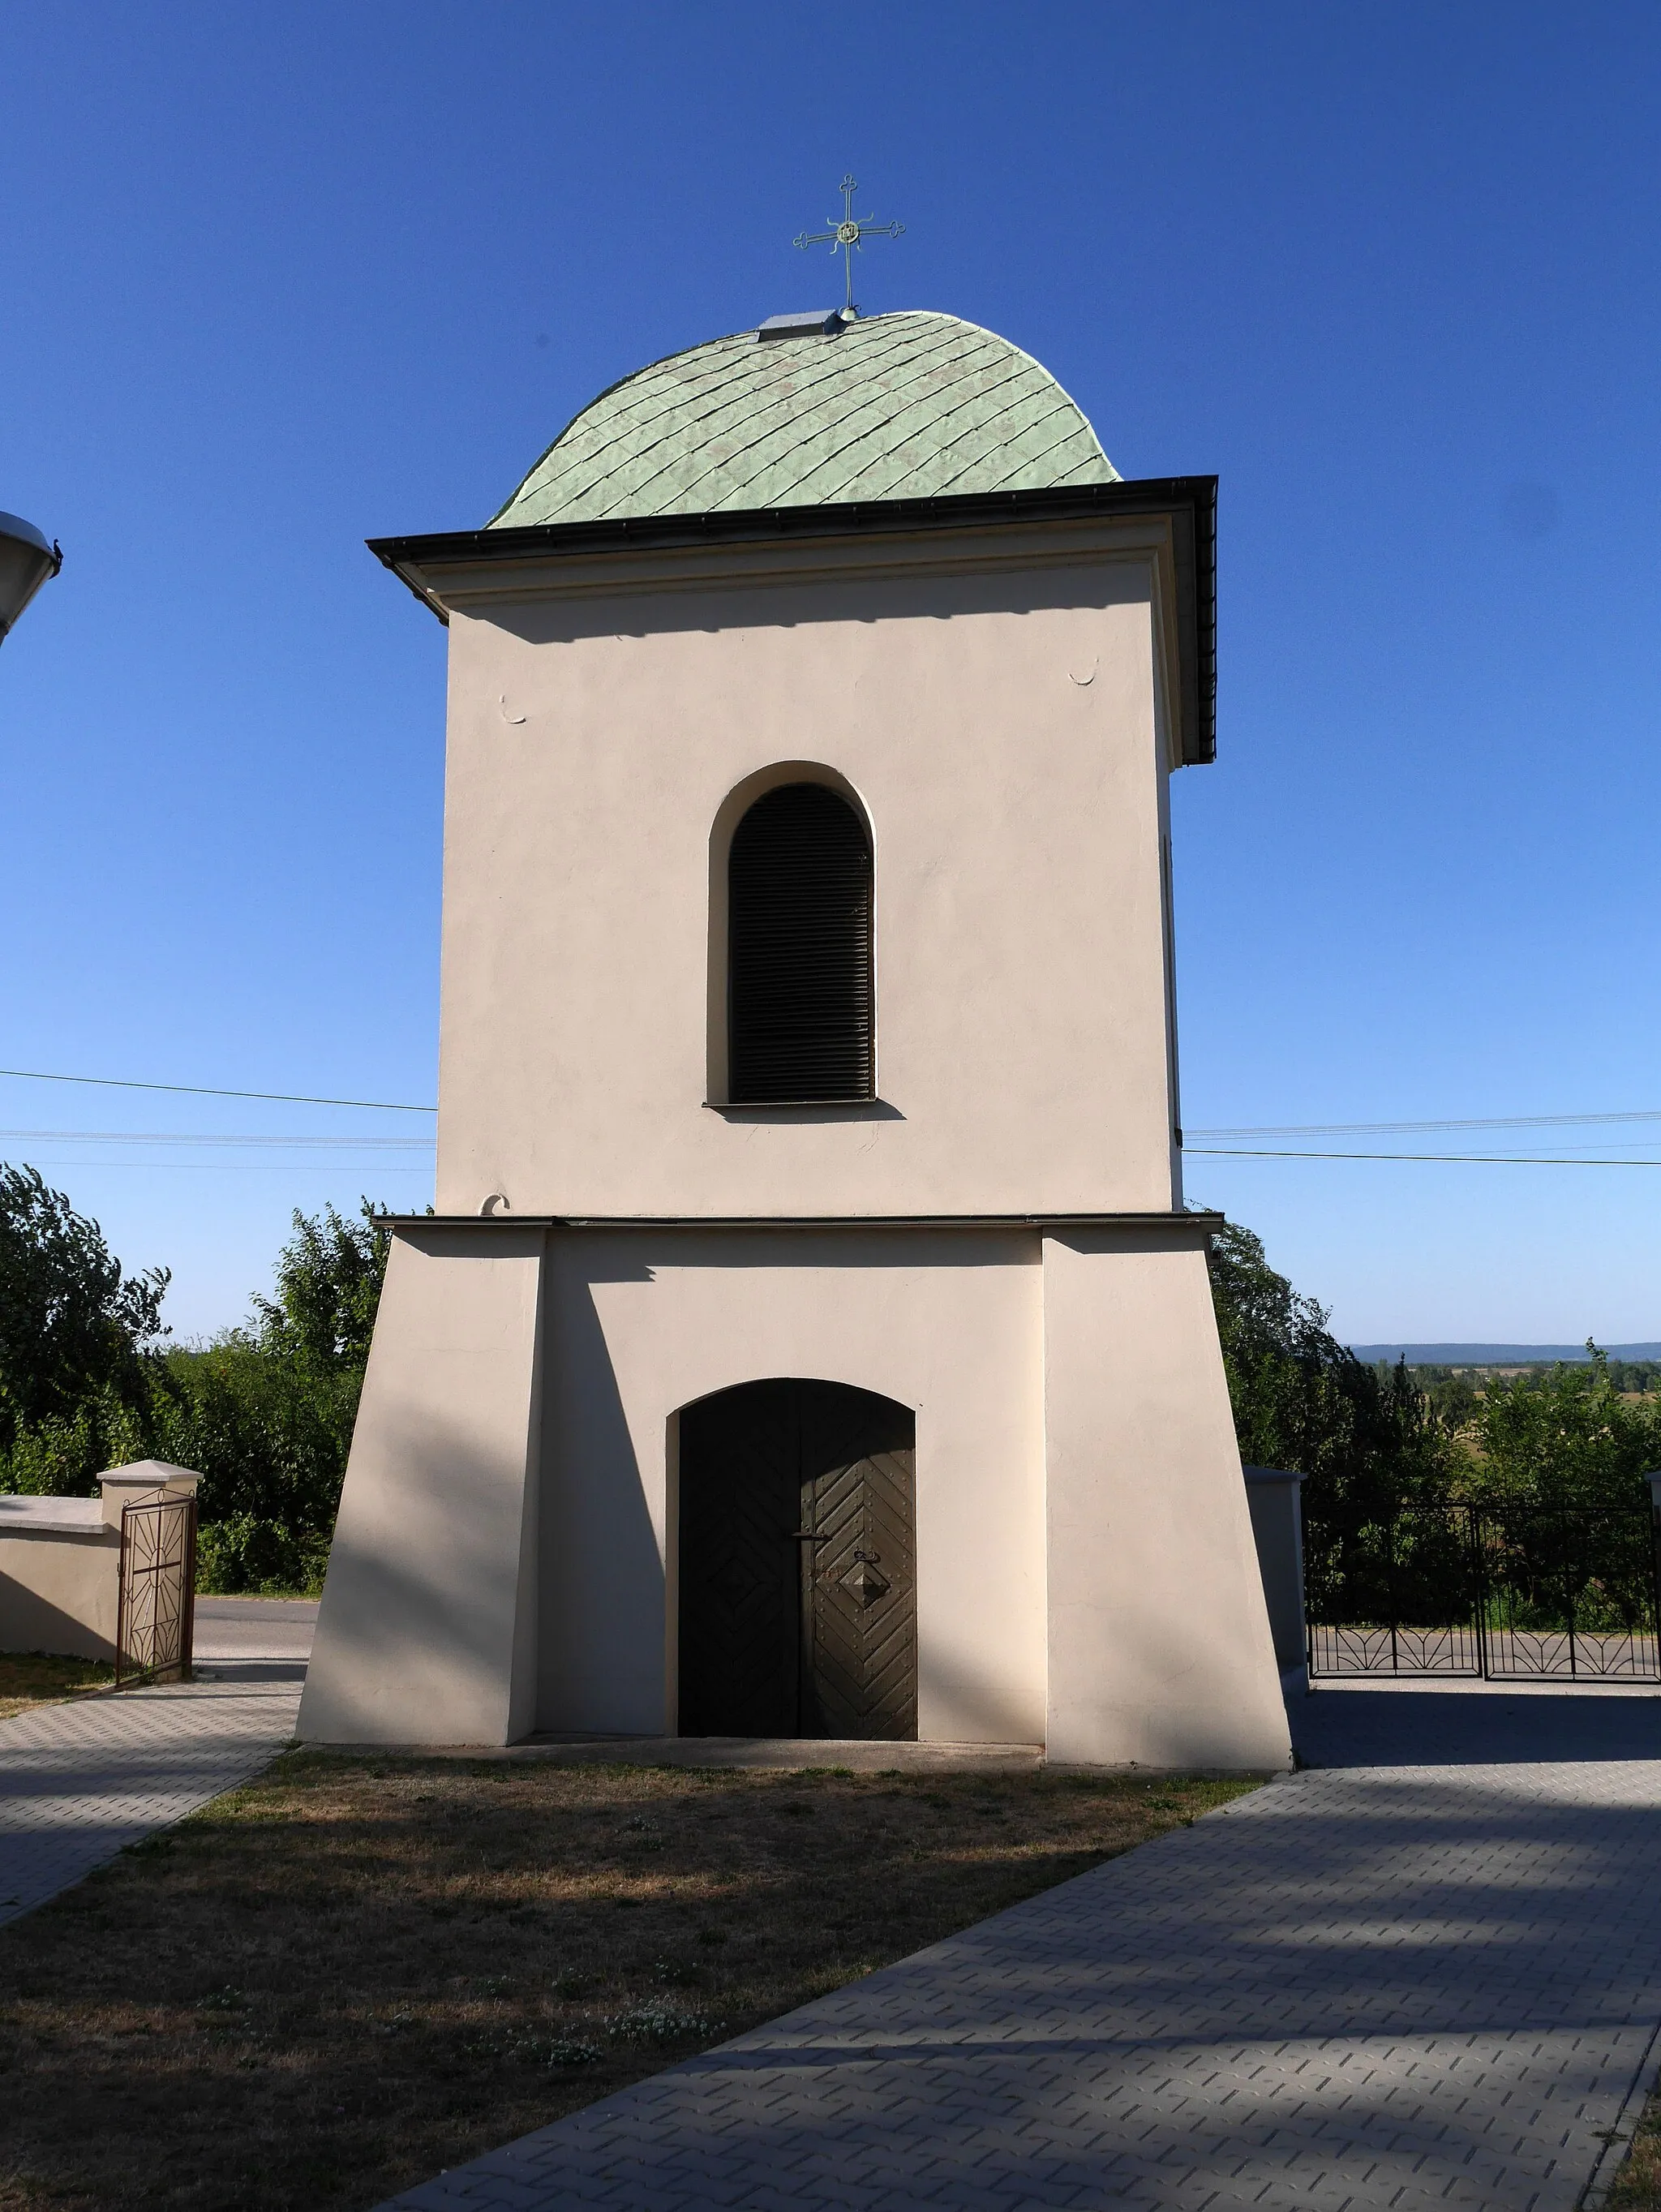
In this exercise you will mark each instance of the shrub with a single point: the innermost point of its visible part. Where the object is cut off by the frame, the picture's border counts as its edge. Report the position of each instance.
(1563, 1437)
(265, 1414)
(1368, 1439)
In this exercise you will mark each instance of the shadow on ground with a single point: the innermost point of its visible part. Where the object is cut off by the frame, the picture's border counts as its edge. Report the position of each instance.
(1479, 1727)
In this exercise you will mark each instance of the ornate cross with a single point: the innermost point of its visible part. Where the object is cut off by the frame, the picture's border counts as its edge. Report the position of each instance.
(847, 236)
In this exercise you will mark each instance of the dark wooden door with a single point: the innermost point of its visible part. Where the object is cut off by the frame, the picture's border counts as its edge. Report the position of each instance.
(858, 1580)
(798, 1570)
(740, 1633)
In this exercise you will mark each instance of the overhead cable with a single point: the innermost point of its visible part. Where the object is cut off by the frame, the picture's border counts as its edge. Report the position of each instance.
(196, 1137)
(1462, 1159)
(84, 1166)
(1298, 1129)
(205, 1090)
(1424, 1128)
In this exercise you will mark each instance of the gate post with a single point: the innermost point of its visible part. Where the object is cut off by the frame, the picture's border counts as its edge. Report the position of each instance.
(1476, 1536)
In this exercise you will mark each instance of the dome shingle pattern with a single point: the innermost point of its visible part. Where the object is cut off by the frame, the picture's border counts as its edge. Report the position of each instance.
(902, 406)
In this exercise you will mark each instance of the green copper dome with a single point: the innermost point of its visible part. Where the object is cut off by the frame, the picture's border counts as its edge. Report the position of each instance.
(903, 406)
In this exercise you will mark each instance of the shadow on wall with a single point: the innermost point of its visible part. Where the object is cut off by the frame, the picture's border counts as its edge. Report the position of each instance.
(1181, 1708)
(30, 1622)
(416, 1627)
(601, 1614)
(869, 601)
(964, 1701)
(858, 1246)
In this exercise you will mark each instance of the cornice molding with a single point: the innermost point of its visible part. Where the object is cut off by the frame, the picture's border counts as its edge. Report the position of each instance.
(1169, 521)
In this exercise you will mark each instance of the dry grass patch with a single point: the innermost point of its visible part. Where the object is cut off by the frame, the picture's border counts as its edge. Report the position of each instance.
(361, 1970)
(41, 1678)
(1638, 2185)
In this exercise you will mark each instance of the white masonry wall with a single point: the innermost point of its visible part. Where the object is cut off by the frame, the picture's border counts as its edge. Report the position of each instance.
(995, 702)
(996, 699)
(426, 1631)
(1087, 1578)
(1160, 1653)
(642, 1322)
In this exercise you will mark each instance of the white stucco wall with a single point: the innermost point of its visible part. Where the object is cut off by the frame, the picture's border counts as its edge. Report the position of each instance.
(1160, 1649)
(1086, 1571)
(60, 1560)
(642, 1322)
(995, 699)
(427, 1631)
(998, 714)
(59, 1584)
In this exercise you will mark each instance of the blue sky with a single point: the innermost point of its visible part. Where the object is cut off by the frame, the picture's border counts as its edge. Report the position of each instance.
(277, 280)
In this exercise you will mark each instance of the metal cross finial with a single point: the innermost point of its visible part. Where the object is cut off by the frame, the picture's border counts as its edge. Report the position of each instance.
(847, 236)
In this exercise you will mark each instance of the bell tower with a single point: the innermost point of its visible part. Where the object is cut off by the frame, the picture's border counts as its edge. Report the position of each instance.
(808, 1108)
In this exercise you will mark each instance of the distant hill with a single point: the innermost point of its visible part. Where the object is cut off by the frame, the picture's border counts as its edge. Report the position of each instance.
(1494, 1355)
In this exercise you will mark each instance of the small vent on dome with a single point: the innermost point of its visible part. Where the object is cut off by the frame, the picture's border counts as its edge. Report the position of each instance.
(824, 322)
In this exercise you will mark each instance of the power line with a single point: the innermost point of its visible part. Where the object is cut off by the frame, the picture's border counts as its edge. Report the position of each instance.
(196, 1137)
(218, 1167)
(205, 1090)
(1300, 1129)
(1463, 1159)
(1191, 1151)
(1427, 1128)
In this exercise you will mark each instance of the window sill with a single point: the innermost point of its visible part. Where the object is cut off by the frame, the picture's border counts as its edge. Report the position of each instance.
(867, 1109)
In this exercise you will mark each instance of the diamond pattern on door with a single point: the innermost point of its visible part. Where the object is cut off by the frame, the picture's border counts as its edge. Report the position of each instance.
(797, 1564)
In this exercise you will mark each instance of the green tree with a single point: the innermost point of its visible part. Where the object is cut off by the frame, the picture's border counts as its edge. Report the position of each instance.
(73, 1328)
(328, 1288)
(266, 1413)
(1636, 1374)
(1454, 1394)
(269, 1436)
(61, 1455)
(1366, 1440)
(1565, 1436)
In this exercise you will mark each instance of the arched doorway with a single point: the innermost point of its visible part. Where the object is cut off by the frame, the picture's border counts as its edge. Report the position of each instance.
(798, 1581)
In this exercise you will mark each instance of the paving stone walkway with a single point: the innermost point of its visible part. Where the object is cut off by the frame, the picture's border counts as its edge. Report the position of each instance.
(80, 1780)
(1430, 1982)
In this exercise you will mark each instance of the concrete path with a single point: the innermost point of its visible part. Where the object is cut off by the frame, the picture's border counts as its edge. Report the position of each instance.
(79, 1780)
(1426, 1973)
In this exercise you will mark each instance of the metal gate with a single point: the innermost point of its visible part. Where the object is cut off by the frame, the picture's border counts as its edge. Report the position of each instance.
(157, 1604)
(1511, 1594)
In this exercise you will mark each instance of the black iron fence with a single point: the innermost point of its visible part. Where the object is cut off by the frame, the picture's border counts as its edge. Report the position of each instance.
(1509, 1592)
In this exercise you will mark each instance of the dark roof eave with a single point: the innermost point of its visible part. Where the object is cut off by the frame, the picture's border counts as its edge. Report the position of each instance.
(1204, 1218)
(1192, 501)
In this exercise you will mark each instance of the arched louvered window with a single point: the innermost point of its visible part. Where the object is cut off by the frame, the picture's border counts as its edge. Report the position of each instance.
(800, 950)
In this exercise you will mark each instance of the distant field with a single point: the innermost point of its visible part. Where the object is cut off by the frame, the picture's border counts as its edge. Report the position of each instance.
(1495, 1355)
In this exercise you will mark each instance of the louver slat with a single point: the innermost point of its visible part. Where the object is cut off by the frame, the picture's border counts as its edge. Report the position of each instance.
(800, 950)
